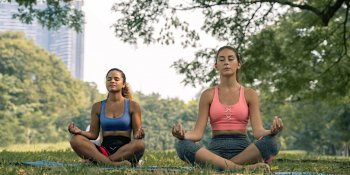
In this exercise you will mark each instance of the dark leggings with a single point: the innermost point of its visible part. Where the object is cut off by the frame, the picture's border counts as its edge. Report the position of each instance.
(111, 144)
(228, 146)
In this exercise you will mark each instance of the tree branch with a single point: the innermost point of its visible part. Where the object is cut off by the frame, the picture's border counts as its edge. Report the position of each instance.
(268, 12)
(291, 4)
(202, 6)
(252, 17)
(329, 12)
(344, 27)
(325, 15)
(331, 66)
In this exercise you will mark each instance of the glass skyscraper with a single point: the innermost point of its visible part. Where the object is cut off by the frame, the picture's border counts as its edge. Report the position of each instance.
(65, 42)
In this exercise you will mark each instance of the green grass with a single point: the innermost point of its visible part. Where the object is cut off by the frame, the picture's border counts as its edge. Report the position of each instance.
(36, 147)
(289, 161)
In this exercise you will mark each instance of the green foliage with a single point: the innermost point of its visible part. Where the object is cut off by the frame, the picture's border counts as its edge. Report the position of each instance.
(312, 125)
(298, 58)
(55, 15)
(159, 115)
(38, 95)
(289, 47)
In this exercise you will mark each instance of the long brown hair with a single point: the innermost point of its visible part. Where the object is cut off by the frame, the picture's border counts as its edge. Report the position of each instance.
(126, 91)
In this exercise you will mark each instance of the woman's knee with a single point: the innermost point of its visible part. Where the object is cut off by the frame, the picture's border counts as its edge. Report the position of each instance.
(273, 143)
(186, 150)
(180, 146)
(139, 146)
(76, 140)
(268, 147)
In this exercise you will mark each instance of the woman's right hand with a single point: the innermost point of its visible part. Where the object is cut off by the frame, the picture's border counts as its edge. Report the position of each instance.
(178, 131)
(277, 125)
(73, 129)
(140, 134)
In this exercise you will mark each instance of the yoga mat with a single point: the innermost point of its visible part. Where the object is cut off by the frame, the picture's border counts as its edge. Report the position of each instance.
(297, 173)
(44, 163)
(50, 164)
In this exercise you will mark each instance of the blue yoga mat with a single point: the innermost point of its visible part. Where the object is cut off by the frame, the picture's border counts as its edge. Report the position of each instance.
(297, 173)
(44, 163)
(49, 164)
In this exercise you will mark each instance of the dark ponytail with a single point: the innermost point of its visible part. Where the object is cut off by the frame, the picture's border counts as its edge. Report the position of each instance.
(126, 91)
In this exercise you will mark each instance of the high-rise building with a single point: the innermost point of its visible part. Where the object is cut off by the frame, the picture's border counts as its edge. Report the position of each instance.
(65, 42)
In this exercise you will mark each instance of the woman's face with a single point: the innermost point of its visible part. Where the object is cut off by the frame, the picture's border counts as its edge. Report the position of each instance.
(114, 81)
(227, 62)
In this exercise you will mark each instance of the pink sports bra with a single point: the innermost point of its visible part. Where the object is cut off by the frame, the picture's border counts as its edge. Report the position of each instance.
(229, 117)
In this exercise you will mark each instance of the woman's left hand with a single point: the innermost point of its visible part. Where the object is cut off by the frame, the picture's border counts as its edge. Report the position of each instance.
(139, 134)
(277, 125)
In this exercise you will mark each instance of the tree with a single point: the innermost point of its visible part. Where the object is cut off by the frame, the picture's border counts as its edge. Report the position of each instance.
(38, 94)
(289, 47)
(56, 14)
(159, 115)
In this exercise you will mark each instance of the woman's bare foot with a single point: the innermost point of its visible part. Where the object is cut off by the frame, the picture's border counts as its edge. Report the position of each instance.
(258, 166)
(122, 163)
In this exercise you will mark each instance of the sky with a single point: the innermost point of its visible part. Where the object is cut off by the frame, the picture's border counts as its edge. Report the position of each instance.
(147, 67)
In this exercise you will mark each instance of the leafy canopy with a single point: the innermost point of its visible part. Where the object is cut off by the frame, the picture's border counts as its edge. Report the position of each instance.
(288, 46)
(38, 94)
(53, 15)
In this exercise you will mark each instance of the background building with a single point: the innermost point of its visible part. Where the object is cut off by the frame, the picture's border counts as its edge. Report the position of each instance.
(65, 42)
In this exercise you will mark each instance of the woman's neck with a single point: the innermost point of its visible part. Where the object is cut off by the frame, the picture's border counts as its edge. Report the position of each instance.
(115, 97)
(228, 82)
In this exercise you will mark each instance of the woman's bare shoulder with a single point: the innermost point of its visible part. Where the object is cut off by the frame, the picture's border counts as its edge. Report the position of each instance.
(97, 104)
(208, 94)
(250, 93)
(209, 91)
(249, 90)
(96, 107)
(134, 104)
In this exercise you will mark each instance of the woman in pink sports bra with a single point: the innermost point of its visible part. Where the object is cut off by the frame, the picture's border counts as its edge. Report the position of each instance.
(229, 106)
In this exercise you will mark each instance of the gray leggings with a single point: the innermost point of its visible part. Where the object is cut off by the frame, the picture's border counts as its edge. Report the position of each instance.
(228, 146)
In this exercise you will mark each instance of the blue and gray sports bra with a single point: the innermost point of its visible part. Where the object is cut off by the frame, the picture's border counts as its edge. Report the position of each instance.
(120, 123)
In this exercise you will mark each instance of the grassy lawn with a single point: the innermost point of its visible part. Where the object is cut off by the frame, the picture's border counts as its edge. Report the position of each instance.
(286, 161)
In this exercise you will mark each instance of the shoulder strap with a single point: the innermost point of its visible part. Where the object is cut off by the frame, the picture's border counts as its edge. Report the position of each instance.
(126, 105)
(241, 91)
(242, 95)
(102, 108)
(216, 93)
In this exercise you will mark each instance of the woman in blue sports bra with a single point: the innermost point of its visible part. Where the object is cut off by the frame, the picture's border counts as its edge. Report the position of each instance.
(119, 118)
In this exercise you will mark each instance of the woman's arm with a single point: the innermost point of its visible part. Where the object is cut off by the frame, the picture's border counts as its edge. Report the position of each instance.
(203, 112)
(92, 134)
(254, 112)
(255, 119)
(136, 120)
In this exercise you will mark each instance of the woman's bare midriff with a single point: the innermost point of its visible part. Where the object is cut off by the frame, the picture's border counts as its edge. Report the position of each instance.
(228, 132)
(116, 133)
